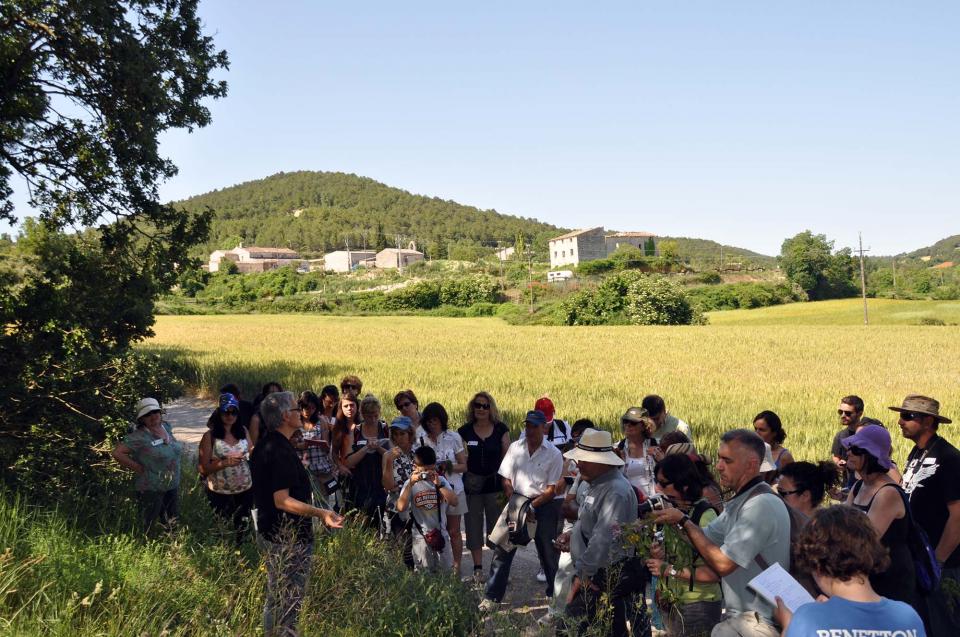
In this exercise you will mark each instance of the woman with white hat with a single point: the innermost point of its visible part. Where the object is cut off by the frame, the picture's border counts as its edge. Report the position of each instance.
(152, 452)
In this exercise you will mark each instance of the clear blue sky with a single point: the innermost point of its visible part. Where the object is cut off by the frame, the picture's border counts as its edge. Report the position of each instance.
(743, 122)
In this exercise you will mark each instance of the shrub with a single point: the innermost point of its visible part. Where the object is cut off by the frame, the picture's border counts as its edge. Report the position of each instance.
(659, 301)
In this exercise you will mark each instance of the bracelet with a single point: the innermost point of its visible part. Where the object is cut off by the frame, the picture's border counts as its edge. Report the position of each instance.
(681, 525)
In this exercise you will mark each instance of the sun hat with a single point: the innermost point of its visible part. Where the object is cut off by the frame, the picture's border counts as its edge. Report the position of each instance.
(875, 440)
(681, 448)
(767, 464)
(922, 405)
(401, 422)
(229, 401)
(634, 414)
(535, 417)
(595, 446)
(145, 406)
(545, 405)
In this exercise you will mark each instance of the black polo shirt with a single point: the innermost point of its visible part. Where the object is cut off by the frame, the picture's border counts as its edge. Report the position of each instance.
(276, 466)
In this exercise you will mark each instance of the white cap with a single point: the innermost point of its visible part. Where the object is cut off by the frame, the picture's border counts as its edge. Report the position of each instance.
(145, 406)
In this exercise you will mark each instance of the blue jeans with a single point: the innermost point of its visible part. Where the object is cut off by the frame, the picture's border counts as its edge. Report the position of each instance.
(288, 570)
(548, 522)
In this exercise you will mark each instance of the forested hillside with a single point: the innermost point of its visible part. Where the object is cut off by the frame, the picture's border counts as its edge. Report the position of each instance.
(315, 212)
(944, 250)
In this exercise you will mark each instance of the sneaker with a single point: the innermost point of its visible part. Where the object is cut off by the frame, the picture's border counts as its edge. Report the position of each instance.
(541, 576)
(488, 606)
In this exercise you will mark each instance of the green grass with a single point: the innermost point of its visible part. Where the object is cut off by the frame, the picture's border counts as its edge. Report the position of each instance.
(82, 570)
(843, 312)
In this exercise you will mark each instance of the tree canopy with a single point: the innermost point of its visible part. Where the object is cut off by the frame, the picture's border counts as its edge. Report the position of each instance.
(88, 86)
(809, 261)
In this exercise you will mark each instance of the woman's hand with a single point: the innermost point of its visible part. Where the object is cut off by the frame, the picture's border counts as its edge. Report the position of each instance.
(656, 566)
(782, 615)
(657, 552)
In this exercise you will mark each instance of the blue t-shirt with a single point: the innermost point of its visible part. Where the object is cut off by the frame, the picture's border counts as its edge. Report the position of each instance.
(838, 617)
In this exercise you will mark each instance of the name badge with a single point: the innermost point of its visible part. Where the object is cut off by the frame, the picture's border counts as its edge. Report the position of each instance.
(472, 443)
(588, 500)
(157, 442)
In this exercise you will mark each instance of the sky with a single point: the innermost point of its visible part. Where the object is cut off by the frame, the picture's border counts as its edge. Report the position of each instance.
(741, 122)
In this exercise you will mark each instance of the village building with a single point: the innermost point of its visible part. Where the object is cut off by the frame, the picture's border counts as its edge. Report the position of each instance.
(346, 260)
(253, 258)
(644, 241)
(576, 247)
(397, 258)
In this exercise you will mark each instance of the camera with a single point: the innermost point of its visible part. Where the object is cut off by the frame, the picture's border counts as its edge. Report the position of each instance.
(653, 503)
(424, 475)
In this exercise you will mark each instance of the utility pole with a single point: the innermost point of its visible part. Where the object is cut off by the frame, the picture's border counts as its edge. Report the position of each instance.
(863, 280)
(894, 274)
(530, 279)
(721, 258)
(399, 257)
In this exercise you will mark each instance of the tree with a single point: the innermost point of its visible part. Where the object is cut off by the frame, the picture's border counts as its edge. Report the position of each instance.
(88, 87)
(650, 247)
(808, 261)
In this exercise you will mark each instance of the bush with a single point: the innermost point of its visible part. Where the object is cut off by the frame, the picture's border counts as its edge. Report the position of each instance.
(659, 301)
(744, 295)
(709, 278)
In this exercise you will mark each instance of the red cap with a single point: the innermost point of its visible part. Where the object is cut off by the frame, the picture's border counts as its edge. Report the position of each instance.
(546, 406)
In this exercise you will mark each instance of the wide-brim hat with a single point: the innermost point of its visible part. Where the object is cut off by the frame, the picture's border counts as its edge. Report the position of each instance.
(145, 406)
(922, 405)
(595, 446)
(875, 440)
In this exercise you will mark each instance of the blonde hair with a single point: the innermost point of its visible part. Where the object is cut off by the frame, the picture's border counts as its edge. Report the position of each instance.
(368, 403)
(494, 412)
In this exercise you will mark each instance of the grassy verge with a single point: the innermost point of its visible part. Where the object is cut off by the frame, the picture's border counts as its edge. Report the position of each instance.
(844, 312)
(65, 571)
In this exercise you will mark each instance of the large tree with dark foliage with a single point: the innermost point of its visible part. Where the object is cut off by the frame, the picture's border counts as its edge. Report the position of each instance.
(809, 261)
(86, 89)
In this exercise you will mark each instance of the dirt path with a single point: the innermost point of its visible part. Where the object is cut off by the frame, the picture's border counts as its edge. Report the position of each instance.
(524, 602)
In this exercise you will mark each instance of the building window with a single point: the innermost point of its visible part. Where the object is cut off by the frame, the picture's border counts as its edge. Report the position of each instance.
(572, 252)
(563, 254)
(554, 254)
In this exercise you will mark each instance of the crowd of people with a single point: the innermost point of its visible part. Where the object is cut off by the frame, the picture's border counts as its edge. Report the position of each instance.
(877, 546)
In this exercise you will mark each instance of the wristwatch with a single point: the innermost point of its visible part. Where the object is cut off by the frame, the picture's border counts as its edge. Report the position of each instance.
(683, 521)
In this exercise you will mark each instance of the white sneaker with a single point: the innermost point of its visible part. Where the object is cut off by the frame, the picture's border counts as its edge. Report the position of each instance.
(488, 606)
(541, 576)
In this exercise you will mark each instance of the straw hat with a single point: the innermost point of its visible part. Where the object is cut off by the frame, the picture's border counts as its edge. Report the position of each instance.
(145, 406)
(595, 446)
(922, 405)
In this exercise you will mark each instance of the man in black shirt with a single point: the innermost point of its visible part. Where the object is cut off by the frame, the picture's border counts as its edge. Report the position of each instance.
(281, 489)
(850, 412)
(932, 480)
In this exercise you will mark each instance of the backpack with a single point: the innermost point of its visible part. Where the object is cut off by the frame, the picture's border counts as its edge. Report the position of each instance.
(924, 556)
(696, 514)
(797, 521)
(559, 427)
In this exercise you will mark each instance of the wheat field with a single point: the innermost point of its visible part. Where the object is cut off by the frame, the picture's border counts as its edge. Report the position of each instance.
(715, 377)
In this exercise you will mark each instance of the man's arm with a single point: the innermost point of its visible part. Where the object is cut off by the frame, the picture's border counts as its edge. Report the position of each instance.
(712, 554)
(951, 532)
(283, 501)
(508, 487)
(544, 497)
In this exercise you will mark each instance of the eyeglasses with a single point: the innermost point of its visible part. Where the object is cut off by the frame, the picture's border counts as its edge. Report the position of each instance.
(663, 485)
(784, 493)
(844, 412)
(857, 451)
(404, 405)
(481, 405)
(910, 415)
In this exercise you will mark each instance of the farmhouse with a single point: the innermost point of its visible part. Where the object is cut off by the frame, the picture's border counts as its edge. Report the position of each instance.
(398, 258)
(253, 259)
(642, 240)
(346, 260)
(575, 247)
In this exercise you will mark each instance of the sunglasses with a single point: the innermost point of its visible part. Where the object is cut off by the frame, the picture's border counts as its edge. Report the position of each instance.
(663, 485)
(911, 415)
(231, 412)
(786, 493)
(481, 405)
(857, 451)
(346, 386)
(404, 405)
(843, 412)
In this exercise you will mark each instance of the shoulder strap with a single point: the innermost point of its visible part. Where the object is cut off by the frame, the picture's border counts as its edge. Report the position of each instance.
(696, 514)
(760, 489)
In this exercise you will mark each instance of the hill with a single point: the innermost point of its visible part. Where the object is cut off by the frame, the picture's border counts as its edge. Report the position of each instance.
(944, 250)
(315, 212)
(709, 252)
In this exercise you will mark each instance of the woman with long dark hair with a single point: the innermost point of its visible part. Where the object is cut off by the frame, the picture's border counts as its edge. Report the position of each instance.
(804, 485)
(224, 454)
(255, 420)
(313, 442)
(698, 592)
(768, 426)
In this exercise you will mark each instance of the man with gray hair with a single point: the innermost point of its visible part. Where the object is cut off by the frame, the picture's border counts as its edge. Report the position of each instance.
(281, 488)
(751, 534)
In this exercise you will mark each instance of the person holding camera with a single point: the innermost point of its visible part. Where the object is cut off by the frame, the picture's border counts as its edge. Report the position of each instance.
(604, 568)
(427, 495)
(751, 534)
